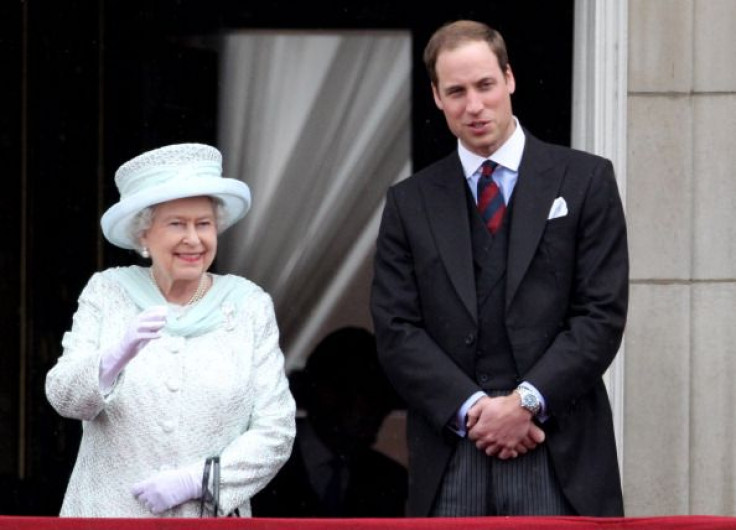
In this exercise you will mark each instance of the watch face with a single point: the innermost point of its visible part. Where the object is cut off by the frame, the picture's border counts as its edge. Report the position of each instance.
(529, 402)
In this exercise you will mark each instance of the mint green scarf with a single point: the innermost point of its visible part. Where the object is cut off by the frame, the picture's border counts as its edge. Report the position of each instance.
(200, 318)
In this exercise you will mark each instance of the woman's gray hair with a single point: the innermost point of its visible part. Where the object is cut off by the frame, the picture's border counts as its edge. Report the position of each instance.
(144, 219)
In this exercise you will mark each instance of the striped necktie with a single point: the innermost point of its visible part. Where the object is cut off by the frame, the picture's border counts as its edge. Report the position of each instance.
(490, 200)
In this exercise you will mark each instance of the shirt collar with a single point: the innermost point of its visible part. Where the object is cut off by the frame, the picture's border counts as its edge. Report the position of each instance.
(508, 155)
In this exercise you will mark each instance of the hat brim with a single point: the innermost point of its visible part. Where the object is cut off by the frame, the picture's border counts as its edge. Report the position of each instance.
(116, 221)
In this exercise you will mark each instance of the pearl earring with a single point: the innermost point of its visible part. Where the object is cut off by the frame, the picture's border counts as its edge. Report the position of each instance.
(145, 253)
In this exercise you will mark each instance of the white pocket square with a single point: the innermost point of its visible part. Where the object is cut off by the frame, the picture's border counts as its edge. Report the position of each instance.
(559, 209)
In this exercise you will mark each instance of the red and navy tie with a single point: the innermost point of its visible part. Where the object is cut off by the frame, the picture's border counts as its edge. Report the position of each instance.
(490, 200)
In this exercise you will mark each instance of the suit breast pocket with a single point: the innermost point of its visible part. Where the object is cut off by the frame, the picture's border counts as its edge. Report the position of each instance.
(559, 239)
(560, 223)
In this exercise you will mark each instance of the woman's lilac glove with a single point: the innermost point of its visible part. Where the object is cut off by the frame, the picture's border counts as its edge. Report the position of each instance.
(145, 327)
(168, 488)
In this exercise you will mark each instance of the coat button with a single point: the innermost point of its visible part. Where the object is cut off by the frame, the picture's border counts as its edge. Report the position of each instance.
(168, 425)
(483, 378)
(469, 339)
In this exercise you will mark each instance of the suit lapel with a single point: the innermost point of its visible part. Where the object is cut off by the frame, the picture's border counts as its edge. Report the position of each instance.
(536, 189)
(445, 198)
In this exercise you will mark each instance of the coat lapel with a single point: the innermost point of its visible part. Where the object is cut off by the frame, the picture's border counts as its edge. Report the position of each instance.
(445, 197)
(536, 189)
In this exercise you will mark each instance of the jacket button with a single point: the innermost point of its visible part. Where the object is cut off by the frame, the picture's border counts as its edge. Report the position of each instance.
(168, 425)
(469, 339)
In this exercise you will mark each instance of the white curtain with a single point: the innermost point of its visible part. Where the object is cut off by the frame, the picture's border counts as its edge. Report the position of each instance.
(318, 125)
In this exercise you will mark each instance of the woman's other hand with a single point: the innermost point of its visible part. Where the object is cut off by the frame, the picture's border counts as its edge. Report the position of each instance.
(167, 489)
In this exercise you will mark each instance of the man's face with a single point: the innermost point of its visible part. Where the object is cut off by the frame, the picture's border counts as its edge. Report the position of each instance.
(475, 96)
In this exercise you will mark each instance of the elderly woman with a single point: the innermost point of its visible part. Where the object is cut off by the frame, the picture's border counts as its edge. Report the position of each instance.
(169, 365)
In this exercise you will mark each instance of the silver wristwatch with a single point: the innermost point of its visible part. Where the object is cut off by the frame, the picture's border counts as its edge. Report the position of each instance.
(529, 400)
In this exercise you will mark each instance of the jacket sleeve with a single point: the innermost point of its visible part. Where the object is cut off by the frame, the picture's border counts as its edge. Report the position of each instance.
(72, 384)
(591, 329)
(250, 461)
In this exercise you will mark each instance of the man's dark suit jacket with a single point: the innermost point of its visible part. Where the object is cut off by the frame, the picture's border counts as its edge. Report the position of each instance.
(566, 304)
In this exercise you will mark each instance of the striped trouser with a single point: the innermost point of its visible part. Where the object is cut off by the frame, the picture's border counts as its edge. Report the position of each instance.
(475, 484)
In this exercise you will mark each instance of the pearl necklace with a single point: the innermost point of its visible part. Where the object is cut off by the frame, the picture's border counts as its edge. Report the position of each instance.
(198, 294)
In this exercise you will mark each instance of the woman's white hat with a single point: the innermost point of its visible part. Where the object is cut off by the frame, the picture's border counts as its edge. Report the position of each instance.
(168, 173)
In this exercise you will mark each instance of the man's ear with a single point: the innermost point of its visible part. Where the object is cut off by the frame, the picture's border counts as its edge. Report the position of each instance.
(436, 95)
(510, 79)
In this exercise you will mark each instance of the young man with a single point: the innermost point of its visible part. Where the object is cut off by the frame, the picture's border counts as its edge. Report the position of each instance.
(499, 300)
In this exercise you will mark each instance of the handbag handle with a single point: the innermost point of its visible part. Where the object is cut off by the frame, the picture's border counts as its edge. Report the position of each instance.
(211, 466)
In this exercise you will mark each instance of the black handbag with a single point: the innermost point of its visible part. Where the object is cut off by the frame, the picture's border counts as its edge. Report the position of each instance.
(212, 497)
(211, 467)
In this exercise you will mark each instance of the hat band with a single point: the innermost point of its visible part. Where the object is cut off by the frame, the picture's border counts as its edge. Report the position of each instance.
(155, 176)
